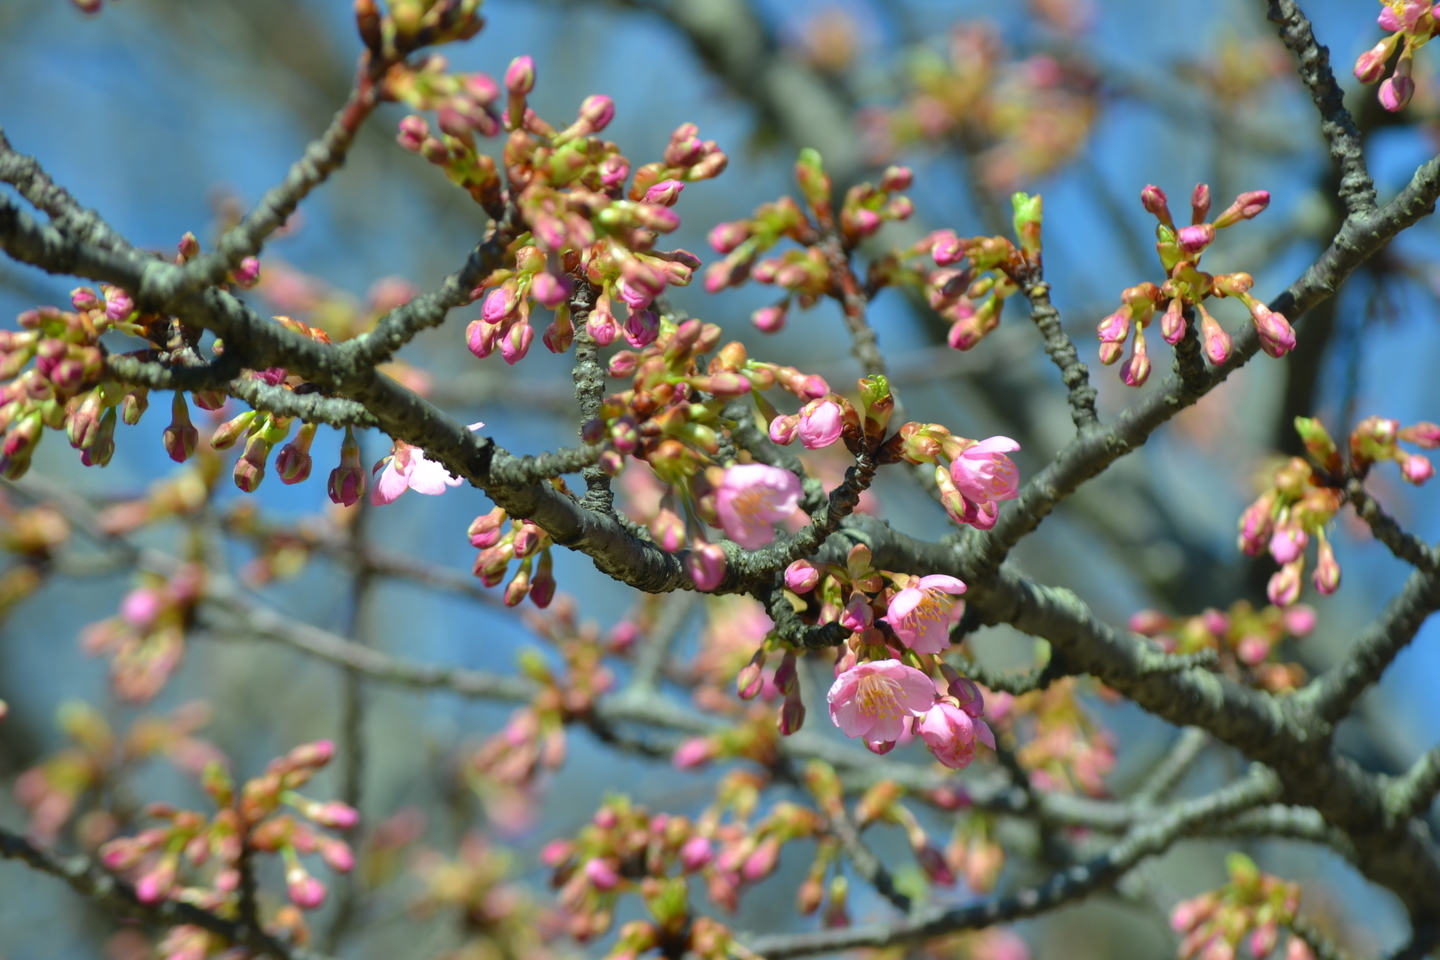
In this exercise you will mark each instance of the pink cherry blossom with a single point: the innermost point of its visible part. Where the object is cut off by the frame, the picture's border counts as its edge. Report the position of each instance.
(408, 468)
(1287, 543)
(801, 576)
(872, 700)
(983, 473)
(820, 424)
(950, 733)
(920, 613)
(752, 498)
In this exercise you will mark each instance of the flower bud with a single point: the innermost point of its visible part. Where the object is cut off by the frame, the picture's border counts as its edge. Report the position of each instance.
(665, 194)
(596, 111)
(1155, 201)
(801, 576)
(1199, 203)
(1246, 207)
(706, 566)
(347, 481)
(520, 76)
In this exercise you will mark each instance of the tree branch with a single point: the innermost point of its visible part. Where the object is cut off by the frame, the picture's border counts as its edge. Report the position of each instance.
(1357, 190)
(1068, 885)
(1073, 373)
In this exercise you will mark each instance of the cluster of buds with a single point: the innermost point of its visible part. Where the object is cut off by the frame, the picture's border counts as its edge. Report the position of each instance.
(974, 854)
(1412, 24)
(1253, 903)
(146, 640)
(250, 820)
(804, 274)
(524, 541)
(409, 24)
(568, 188)
(1186, 287)
(899, 625)
(495, 915)
(1246, 639)
(972, 277)
(671, 419)
(1025, 117)
(626, 849)
(53, 791)
(1063, 748)
(65, 388)
(534, 739)
(979, 475)
(881, 803)
(33, 536)
(1304, 495)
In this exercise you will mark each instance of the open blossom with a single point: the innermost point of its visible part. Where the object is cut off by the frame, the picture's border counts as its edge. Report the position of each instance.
(872, 700)
(752, 498)
(920, 613)
(407, 468)
(984, 474)
(951, 732)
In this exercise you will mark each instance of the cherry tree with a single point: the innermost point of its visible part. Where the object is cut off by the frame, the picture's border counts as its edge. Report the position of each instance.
(898, 725)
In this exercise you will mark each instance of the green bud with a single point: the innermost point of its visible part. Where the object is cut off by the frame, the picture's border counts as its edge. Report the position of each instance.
(814, 183)
(1028, 215)
(1318, 443)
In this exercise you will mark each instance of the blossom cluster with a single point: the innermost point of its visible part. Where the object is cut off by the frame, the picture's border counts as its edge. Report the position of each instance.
(1254, 903)
(1022, 117)
(1304, 495)
(1412, 24)
(806, 274)
(202, 859)
(146, 640)
(1186, 288)
(1248, 641)
(574, 222)
(77, 779)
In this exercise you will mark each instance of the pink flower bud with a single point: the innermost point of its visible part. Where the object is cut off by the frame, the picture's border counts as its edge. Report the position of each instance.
(1194, 239)
(118, 304)
(769, 319)
(305, 891)
(696, 854)
(1370, 66)
(1252, 649)
(602, 874)
(665, 193)
(84, 298)
(1136, 369)
(761, 863)
(613, 171)
(821, 422)
(932, 861)
(516, 342)
(801, 576)
(1172, 322)
(1300, 619)
(1155, 201)
(692, 753)
(247, 274)
(1284, 587)
(641, 328)
(706, 566)
(520, 76)
(337, 855)
(1199, 203)
(1396, 92)
(1287, 543)
(947, 249)
(1277, 337)
(550, 290)
(725, 237)
(784, 429)
(1415, 468)
(792, 713)
(1217, 343)
(1247, 206)
(596, 111)
(896, 178)
(413, 132)
(668, 531)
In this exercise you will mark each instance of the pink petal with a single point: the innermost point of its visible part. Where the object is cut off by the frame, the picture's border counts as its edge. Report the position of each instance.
(391, 484)
(939, 581)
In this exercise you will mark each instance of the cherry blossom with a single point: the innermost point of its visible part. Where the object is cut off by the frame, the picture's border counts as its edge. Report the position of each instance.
(872, 700)
(920, 613)
(752, 498)
(950, 732)
(407, 468)
(984, 474)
